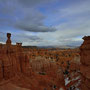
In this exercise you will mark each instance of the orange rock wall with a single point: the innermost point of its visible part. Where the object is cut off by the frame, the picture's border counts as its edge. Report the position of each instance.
(15, 63)
(85, 63)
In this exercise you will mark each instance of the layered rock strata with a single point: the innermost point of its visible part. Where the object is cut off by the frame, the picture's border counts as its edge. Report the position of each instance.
(15, 69)
(85, 63)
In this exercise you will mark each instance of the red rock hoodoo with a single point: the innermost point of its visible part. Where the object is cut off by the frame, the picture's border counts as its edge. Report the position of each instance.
(34, 68)
(16, 70)
(85, 63)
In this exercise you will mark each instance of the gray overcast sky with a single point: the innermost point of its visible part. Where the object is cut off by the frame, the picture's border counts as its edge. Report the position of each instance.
(45, 22)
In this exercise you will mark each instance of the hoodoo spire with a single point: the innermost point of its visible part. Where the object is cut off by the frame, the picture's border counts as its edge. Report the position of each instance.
(8, 42)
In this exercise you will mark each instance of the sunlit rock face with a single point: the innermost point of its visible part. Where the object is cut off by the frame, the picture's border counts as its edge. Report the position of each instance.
(1, 71)
(16, 69)
(37, 69)
(9, 59)
(85, 63)
(41, 64)
(49, 68)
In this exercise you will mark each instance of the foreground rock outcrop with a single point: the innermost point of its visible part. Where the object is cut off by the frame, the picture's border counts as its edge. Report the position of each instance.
(85, 63)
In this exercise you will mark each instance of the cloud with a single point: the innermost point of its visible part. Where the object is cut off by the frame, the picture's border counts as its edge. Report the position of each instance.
(70, 21)
(2, 37)
(31, 3)
(71, 31)
(26, 38)
(36, 28)
(33, 22)
(18, 15)
(80, 8)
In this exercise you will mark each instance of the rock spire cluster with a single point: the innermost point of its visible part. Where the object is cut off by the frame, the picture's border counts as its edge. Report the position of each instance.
(15, 69)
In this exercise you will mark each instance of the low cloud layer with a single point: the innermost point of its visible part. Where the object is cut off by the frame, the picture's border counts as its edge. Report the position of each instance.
(35, 28)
